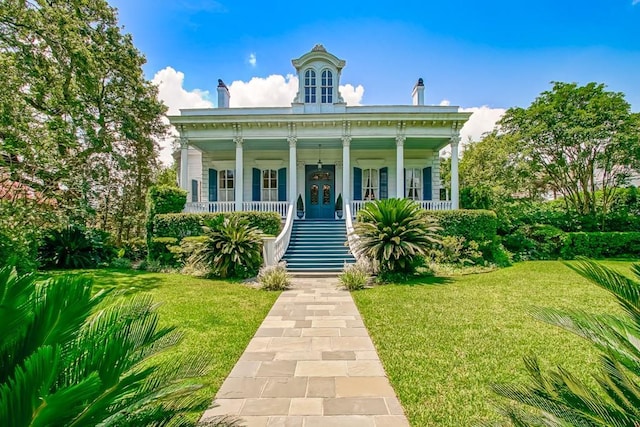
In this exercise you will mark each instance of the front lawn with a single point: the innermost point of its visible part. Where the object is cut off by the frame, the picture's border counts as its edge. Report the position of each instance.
(444, 341)
(218, 318)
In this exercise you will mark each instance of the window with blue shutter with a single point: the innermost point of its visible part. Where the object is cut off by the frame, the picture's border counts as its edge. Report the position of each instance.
(384, 183)
(213, 185)
(426, 184)
(357, 184)
(194, 190)
(255, 187)
(282, 185)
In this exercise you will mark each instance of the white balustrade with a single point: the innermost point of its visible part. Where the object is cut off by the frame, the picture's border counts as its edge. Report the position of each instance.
(278, 207)
(215, 207)
(430, 205)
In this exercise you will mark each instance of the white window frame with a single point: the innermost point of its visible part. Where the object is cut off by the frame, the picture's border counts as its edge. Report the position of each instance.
(310, 88)
(326, 86)
(413, 183)
(370, 184)
(269, 194)
(226, 194)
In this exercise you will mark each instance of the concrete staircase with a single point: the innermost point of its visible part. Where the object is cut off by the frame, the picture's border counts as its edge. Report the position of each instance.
(318, 247)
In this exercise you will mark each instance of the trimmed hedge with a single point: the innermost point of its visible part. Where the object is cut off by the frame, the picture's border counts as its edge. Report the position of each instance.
(164, 199)
(601, 244)
(479, 225)
(183, 225)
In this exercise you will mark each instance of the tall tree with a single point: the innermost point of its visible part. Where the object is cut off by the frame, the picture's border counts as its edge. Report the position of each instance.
(77, 117)
(583, 137)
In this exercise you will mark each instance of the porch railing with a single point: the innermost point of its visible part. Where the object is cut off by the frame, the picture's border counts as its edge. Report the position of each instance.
(218, 207)
(279, 207)
(221, 207)
(430, 205)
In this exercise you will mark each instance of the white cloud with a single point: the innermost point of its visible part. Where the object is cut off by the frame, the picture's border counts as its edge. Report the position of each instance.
(172, 93)
(635, 2)
(352, 95)
(445, 103)
(481, 121)
(252, 59)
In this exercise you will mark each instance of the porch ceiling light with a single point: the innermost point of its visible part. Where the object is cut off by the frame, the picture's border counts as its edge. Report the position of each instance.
(319, 161)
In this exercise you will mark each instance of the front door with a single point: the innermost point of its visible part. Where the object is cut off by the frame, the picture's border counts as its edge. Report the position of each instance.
(319, 191)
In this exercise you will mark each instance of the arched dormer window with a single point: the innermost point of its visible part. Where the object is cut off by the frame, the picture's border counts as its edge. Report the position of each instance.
(310, 86)
(326, 87)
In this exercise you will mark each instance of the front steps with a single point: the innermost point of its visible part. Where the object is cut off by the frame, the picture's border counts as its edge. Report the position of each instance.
(317, 247)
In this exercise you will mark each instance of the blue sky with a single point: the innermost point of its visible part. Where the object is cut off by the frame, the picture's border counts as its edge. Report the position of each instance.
(496, 53)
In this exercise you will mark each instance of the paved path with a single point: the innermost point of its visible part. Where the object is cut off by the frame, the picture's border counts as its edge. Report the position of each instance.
(310, 364)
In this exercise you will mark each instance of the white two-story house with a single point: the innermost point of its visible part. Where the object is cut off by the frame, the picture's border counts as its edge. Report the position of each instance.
(234, 159)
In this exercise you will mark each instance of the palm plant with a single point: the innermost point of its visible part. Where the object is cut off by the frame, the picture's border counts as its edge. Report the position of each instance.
(393, 233)
(560, 398)
(231, 249)
(69, 356)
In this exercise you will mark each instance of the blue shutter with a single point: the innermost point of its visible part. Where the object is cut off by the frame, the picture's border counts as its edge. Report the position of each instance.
(213, 185)
(282, 185)
(194, 190)
(384, 183)
(255, 188)
(357, 184)
(426, 184)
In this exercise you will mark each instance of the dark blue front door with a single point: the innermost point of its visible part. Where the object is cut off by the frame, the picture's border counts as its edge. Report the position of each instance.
(319, 192)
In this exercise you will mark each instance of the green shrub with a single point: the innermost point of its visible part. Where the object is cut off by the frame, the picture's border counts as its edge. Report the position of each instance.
(393, 234)
(75, 247)
(234, 249)
(538, 241)
(187, 247)
(73, 356)
(274, 277)
(165, 199)
(120, 264)
(190, 224)
(456, 250)
(159, 250)
(135, 249)
(354, 276)
(601, 244)
(477, 225)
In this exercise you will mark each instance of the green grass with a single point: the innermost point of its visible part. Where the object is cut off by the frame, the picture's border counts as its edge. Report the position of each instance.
(218, 318)
(444, 341)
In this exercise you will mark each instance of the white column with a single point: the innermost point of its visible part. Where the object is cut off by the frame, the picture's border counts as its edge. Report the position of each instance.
(346, 169)
(400, 166)
(455, 191)
(239, 174)
(293, 169)
(184, 165)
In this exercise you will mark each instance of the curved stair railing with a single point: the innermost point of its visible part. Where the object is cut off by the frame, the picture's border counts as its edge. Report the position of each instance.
(352, 237)
(282, 241)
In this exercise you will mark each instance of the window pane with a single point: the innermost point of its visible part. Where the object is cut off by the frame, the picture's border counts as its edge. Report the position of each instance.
(314, 194)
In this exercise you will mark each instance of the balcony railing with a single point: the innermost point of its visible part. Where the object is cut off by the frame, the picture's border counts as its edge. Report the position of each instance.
(430, 205)
(221, 207)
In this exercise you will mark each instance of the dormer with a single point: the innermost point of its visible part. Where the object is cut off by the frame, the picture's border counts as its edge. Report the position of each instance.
(318, 81)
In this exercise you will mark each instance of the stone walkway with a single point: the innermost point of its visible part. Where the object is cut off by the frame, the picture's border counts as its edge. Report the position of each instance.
(310, 364)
